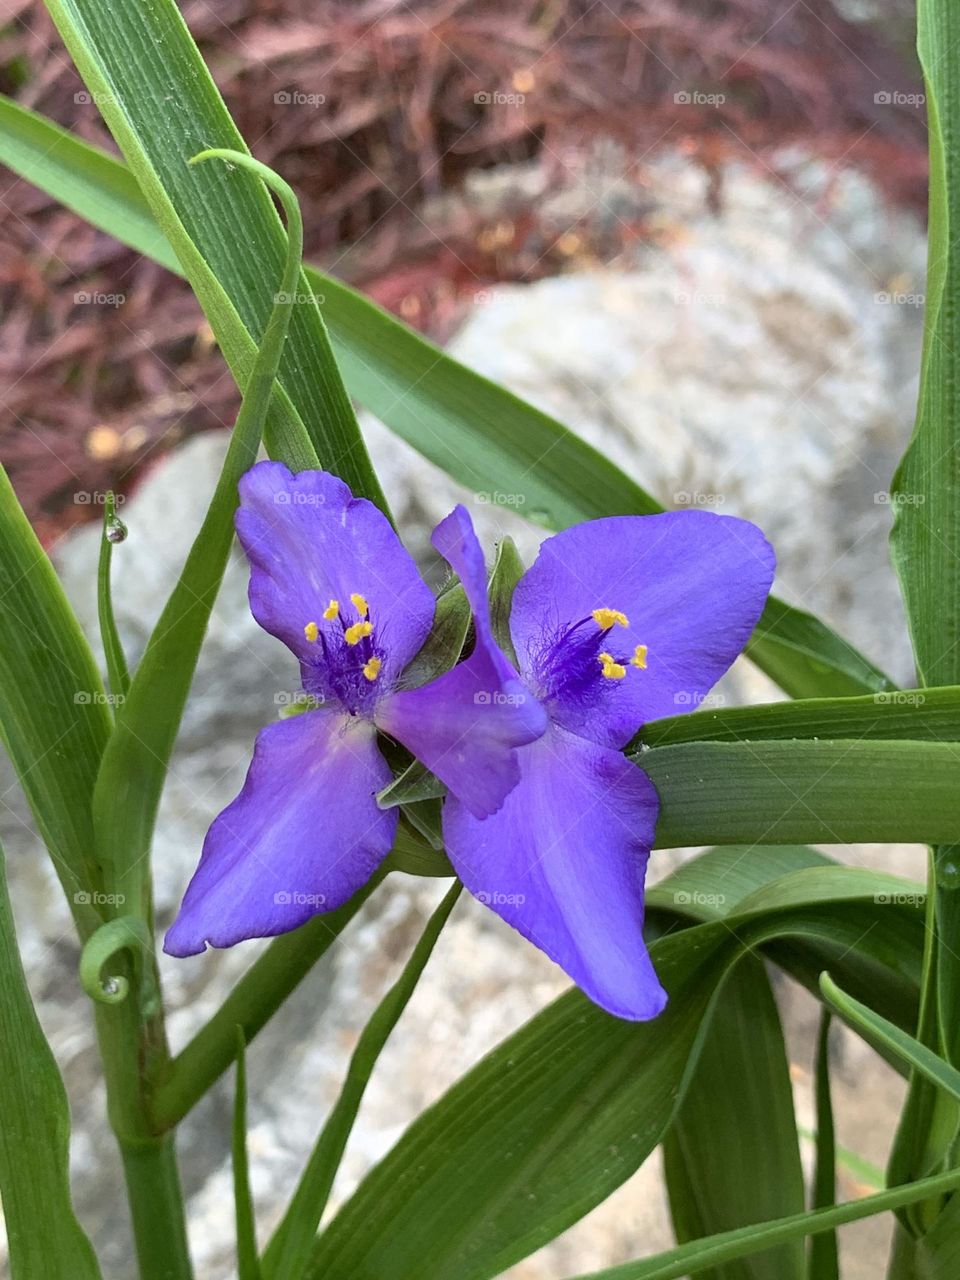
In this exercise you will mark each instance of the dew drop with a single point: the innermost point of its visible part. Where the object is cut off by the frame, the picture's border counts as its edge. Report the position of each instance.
(115, 530)
(947, 866)
(111, 987)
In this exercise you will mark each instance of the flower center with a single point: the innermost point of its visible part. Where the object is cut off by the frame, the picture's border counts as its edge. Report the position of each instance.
(349, 658)
(575, 664)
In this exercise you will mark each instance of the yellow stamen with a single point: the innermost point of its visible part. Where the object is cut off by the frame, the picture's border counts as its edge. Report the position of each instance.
(360, 604)
(639, 658)
(332, 609)
(354, 634)
(371, 669)
(311, 631)
(607, 618)
(610, 668)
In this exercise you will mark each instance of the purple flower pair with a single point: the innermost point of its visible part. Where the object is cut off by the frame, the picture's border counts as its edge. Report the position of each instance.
(619, 621)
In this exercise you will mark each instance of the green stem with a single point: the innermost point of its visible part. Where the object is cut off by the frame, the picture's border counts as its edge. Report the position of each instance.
(251, 1003)
(153, 1190)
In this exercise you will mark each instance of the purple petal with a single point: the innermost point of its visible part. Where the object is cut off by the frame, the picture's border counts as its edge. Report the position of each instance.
(310, 541)
(465, 725)
(692, 586)
(301, 838)
(564, 862)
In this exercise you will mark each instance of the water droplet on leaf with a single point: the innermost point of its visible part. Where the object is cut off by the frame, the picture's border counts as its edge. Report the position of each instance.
(115, 530)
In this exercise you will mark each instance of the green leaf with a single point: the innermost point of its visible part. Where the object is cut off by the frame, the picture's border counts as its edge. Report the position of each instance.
(508, 569)
(926, 490)
(731, 1156)
(45, 1240)
(568, 1107)
(443, 646)
(288, 1251)
(135, 761)
(878, 1030)
(823, 1259)
(113, 650)
(805, 792)
(691, 1259)
(477, 432)
(54, 714)
(248, 1262)
(136, 60)
(931, 715)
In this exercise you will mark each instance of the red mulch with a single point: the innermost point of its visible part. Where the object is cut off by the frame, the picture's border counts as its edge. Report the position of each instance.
(369, 108)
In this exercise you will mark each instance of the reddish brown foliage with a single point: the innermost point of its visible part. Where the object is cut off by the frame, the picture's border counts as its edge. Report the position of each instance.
(368, 108)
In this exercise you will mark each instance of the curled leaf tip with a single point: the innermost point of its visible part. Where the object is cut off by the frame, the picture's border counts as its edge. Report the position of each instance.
(128, 933)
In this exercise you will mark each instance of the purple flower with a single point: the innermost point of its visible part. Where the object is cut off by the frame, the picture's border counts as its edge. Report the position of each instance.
(619, 621)
(331, 579)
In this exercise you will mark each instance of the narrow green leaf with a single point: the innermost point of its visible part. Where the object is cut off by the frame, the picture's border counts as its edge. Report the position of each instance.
(931, 715)
(478, 432)
(691, 1259)
(508, 569)
(443, 646)
(113, 531)
(136, 60)
(135, 761)
(248, 1261)
(731, 1155)
(878, 1030)
(805, 792)
(54, 714)
(823, 1258)
(289, 1250)
(45, 1240)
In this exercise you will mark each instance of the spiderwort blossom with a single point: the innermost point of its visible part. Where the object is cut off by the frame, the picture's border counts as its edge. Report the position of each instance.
(619, 621)
(330, 578)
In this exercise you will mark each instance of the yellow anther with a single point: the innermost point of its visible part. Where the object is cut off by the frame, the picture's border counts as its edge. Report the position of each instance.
(354, 634)
(311, 631)
(611, 669)
(360, 604)
(332, 609)
(371, 669)
(639, 658)
(607, 618)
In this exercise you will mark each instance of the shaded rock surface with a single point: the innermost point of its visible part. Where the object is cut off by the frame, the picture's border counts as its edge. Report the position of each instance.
(742, 362)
